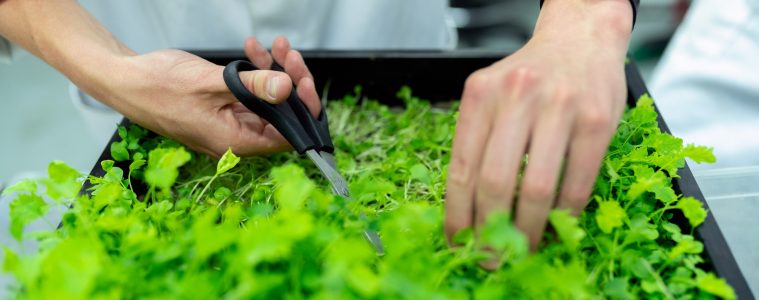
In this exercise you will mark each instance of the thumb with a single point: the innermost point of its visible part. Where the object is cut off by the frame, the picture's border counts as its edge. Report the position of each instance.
(272, 86)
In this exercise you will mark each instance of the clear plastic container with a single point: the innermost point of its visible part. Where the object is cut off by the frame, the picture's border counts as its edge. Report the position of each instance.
(733, 198)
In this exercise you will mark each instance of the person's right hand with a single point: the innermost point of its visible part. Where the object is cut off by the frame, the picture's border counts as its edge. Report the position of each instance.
(559, 99)
(184, 97)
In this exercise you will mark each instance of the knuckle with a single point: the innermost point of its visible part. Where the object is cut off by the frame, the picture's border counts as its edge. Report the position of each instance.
(536, 190)
(459, 173)
(522, 78)
(577, 199)
(475, 85)
(594, 120)
(563, 96)
(491, 182)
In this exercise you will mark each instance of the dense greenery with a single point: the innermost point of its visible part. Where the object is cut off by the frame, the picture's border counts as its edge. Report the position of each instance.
(167, 223)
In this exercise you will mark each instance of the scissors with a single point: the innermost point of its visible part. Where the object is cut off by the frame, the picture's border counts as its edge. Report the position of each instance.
(308, 135)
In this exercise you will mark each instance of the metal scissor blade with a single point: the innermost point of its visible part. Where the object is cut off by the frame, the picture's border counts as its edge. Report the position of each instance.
(325, 162)
(339, 186)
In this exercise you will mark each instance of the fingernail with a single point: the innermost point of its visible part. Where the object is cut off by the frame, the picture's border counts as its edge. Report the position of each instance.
(271, 90)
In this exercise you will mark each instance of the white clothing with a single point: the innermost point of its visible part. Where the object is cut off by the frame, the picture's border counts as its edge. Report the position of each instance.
(707, 83)
(146, 25)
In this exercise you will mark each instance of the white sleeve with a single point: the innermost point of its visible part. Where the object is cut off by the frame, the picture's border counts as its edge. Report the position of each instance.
(5, 50)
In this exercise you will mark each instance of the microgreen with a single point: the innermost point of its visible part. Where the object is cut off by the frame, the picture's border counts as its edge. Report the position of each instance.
(183, 225)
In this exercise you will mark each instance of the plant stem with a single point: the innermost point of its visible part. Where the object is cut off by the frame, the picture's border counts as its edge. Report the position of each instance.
(205, 188)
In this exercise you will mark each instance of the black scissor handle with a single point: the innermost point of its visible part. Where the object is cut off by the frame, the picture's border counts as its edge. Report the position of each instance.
(291, 118)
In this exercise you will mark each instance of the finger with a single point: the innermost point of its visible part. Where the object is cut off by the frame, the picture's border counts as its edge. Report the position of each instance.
(590, 142)
(547, 150)
(256, 136)
(265, 141)
(472, 130)
(504, 150)
(296, 66)
(257, 54)
(271, 86)
(279, 49)
(307, 94)
(500, 166)
(506, 145)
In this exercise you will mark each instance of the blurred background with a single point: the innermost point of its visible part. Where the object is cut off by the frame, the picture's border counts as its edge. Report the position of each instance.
(43, 117)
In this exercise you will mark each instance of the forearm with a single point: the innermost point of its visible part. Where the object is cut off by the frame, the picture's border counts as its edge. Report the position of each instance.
(596, 23)
(68, 38)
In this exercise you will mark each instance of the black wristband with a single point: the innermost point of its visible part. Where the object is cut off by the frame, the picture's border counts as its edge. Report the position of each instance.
(633, 3)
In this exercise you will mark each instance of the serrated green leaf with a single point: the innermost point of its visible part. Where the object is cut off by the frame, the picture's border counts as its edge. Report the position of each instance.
(106, 194)
(646, 180)
(26, 208)
(63, 181)
(501, 235)
(699, 154)
(23, 186)
(567, 227)
(686, 244)
(714, 285)
(693, 210)
(609, 216)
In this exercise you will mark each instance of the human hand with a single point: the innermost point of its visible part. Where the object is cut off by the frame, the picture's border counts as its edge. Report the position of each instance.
(184, 97)
(559, 97)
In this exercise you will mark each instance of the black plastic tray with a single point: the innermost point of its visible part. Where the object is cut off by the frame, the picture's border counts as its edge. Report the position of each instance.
(440, 76)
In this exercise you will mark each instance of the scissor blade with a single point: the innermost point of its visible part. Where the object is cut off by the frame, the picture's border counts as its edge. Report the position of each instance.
(330, 159)
(374, 239)
(339, 186)
(325, 162)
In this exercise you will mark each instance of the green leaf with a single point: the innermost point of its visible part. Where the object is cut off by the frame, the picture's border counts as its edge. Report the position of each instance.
(421, 173)
(106, 194)
(72, 269)
(106, 165)
(609, 215)
(228, 161)
(11, 263)
(644, 112)
(25, 209)
(280, 235)
(163, 166)
(641, 230)
(222, 193)
(699, 154)
(122, 132)
(618, 288)
(646, 180)
(119, 151)
(23, 186)
(500, 234)
(136, 164)
(714, 285)
(567, 227)
(293, 187)
(686, 244)
(63, 181)
(693, 210)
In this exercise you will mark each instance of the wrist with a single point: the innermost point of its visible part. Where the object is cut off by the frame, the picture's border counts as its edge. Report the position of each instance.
(594, 22)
